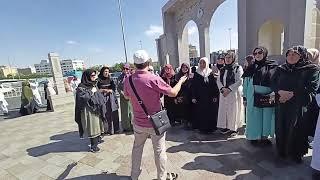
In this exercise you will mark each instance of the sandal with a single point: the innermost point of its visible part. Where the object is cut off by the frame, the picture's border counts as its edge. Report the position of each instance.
(172, 176)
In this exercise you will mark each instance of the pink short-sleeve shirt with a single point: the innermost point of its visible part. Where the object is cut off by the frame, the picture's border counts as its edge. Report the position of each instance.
(149, 88)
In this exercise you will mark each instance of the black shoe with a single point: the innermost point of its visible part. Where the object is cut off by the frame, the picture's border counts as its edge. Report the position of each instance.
(100, 140)
(297, 160)
(266, 142)
(94, 149)
(233, 133)
(254, 142)
(225, 131)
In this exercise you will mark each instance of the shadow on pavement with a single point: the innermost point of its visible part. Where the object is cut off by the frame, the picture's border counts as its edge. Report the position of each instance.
(66, 142)
(102, 176)
(231, 156)
(112, 176)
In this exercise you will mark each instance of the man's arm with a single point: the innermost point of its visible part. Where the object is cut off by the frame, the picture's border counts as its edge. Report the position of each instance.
(175, 90)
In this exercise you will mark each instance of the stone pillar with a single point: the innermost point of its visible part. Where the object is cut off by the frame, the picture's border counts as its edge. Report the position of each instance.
(204, 41)
(243, 49)
(183, 48)
(57, 73)
(62, 98)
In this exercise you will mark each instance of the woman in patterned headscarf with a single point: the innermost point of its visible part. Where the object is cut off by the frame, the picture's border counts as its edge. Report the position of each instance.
(229, 81)
(183, 99)
(167, 74)
(295, 83)
(205, 97)
(126, 112)
(315, 163)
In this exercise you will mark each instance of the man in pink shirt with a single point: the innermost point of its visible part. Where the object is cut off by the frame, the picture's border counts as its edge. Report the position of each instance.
(149, 87)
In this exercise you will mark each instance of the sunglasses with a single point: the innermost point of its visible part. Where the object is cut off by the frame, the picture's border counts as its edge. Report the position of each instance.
(126, 69)
(92, 75)
(255, 53)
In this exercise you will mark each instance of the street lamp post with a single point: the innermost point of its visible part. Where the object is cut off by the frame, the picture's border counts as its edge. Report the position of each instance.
(122, 29)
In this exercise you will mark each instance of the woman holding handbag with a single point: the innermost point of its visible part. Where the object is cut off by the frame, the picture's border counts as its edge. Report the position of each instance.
(260, 118)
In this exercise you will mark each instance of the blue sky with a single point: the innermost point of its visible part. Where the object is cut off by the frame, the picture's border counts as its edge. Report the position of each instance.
(90, 29)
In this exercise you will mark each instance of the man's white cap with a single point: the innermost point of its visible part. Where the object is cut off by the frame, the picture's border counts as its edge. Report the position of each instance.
(140, 57)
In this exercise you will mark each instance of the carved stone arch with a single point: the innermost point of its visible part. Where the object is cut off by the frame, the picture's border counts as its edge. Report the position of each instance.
(271, 35)
(183, 41)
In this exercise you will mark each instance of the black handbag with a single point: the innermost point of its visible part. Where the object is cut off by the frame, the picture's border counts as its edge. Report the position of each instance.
(262, 101)
(160, 120)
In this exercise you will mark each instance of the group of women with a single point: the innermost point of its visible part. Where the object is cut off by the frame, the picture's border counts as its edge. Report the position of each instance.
(271, 100)
(209, 99)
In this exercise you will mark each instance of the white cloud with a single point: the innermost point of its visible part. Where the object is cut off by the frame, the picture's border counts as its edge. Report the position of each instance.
(71, 42)
(154, 30)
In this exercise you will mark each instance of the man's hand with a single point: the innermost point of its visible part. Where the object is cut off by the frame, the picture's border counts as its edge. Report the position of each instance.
(183, 79)
(194, 101)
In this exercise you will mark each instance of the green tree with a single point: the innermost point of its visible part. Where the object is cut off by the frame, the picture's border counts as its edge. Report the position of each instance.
(117, 67)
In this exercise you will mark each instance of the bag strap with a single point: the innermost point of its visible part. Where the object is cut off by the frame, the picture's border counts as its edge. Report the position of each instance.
(138, 97)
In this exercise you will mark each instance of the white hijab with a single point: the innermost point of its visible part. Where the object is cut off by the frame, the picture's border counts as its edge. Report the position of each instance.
(50, 89)
(206, 71)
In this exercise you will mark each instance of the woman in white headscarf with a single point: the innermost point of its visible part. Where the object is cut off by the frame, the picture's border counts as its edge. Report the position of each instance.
(3, 102)
(35, 91)
(205, 97)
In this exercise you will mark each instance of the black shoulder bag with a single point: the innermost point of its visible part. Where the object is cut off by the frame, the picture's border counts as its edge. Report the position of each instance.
(263, 100)
(160, 120)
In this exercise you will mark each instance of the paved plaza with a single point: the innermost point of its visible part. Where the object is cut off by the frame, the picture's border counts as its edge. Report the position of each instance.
(47, 146)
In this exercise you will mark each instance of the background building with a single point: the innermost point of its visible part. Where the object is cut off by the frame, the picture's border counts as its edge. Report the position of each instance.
(193, 52)
(6, 70)
(43, 68)
(27, 71)
(67, 65)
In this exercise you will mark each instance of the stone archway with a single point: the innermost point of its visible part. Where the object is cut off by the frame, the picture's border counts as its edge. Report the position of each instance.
(251, 16)
(184, 41)
(271, 35)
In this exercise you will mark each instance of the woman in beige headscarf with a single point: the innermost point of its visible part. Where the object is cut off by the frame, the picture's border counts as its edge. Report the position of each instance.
(313, 109)
(313, 55)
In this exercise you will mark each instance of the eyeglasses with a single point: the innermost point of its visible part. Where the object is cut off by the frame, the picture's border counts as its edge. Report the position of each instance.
(126, 69)
(255, 53)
